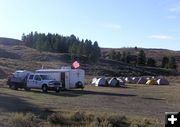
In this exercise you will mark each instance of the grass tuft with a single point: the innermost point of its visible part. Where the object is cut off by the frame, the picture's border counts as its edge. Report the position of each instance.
(23, 120)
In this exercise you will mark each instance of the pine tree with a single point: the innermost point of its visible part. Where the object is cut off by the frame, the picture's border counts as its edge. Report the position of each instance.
(165, 62)
(124, 56)
(141, 59)
(118, 56)
(151, 62)
(172, 63)
(112, 54)
(128, 57)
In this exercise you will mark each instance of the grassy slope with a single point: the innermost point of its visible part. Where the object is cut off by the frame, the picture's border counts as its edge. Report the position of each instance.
(13, 57)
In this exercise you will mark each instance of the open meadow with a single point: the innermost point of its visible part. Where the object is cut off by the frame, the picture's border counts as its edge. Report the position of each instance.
(137, 105)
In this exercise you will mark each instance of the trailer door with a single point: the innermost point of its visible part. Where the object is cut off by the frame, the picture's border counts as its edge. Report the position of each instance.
(63, 79)
(67, 76)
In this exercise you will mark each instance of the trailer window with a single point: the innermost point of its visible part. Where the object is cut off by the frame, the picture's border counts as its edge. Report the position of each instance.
(46, 77)
(31, 77)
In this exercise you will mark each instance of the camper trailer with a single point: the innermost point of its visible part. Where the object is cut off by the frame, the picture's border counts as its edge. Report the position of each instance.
(70, 78)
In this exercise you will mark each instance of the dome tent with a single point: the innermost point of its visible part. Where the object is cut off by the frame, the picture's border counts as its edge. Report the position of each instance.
(135, 80)
(113, 82)
(128, 80)
(142, 80)
(162, 81)
(94, 81)
(101, 82)
(121, 82)
(151, 82)
(122, 79)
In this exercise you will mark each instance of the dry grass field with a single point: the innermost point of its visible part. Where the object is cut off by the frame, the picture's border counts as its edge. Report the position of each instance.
(141, 105)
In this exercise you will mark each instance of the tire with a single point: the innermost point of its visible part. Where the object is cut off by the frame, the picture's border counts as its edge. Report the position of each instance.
(57, 90)
(10, 86)
(79, 85)
(27, 89)
(44, 88)
(14, 87)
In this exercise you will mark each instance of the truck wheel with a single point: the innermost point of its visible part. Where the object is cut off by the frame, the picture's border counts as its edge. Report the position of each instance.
(10, 86)
(57, 90)
(14, 87)
(27, 89)
(44, 88)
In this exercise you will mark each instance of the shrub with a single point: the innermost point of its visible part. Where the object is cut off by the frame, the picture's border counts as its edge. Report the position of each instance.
(58, 118)
(79, 117)
(23, 120)
(102, 122)
(118, 121)
(145, 123)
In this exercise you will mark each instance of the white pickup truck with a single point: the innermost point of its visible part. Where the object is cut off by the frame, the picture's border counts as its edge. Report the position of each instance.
(27, 80)
(43, 81)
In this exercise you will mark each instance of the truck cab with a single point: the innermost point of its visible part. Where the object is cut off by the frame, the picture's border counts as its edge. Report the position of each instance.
(43, 81)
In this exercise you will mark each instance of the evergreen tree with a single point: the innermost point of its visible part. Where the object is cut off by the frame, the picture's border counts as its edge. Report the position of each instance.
(165, 62)
(172, 63)
(62, 44)
(96, 52)
(151, 62)
(112, 54)
(23, 38)
(128, 57)
(141, 59)
(124, 55)
(118, 56)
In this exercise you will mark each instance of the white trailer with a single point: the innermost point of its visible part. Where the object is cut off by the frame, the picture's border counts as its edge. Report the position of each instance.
(70, 78)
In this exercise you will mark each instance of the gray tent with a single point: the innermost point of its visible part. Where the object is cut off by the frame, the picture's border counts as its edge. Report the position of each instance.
(122, 78)
(121, 82)
(113, 82)
(135, 80)
(128, 80)
(142, 80)
(101, 82)
(163, 81)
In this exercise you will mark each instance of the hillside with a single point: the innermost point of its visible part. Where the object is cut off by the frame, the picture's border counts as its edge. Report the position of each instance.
(14, 55)
(156, 54)
(9, 41)
(21, 57)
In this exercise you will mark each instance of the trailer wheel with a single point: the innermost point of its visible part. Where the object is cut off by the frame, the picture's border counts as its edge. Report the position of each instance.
(14, 87)
(79, 84)
(44, 88)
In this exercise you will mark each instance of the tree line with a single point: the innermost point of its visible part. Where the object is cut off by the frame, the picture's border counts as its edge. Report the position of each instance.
(141, 60)
(63, 44)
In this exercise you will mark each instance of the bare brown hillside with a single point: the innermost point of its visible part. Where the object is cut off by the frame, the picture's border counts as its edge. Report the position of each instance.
(13, 57)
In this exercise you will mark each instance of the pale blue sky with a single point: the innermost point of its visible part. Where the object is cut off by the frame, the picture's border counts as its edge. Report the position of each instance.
(113, 23)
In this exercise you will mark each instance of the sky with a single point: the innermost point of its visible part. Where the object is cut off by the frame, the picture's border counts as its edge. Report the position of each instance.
(112, 23)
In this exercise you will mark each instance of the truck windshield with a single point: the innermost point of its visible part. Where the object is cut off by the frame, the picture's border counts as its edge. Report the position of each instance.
(47, 77)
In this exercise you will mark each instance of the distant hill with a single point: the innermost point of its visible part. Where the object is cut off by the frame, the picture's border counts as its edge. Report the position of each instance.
(157, 54)
(9, 41)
